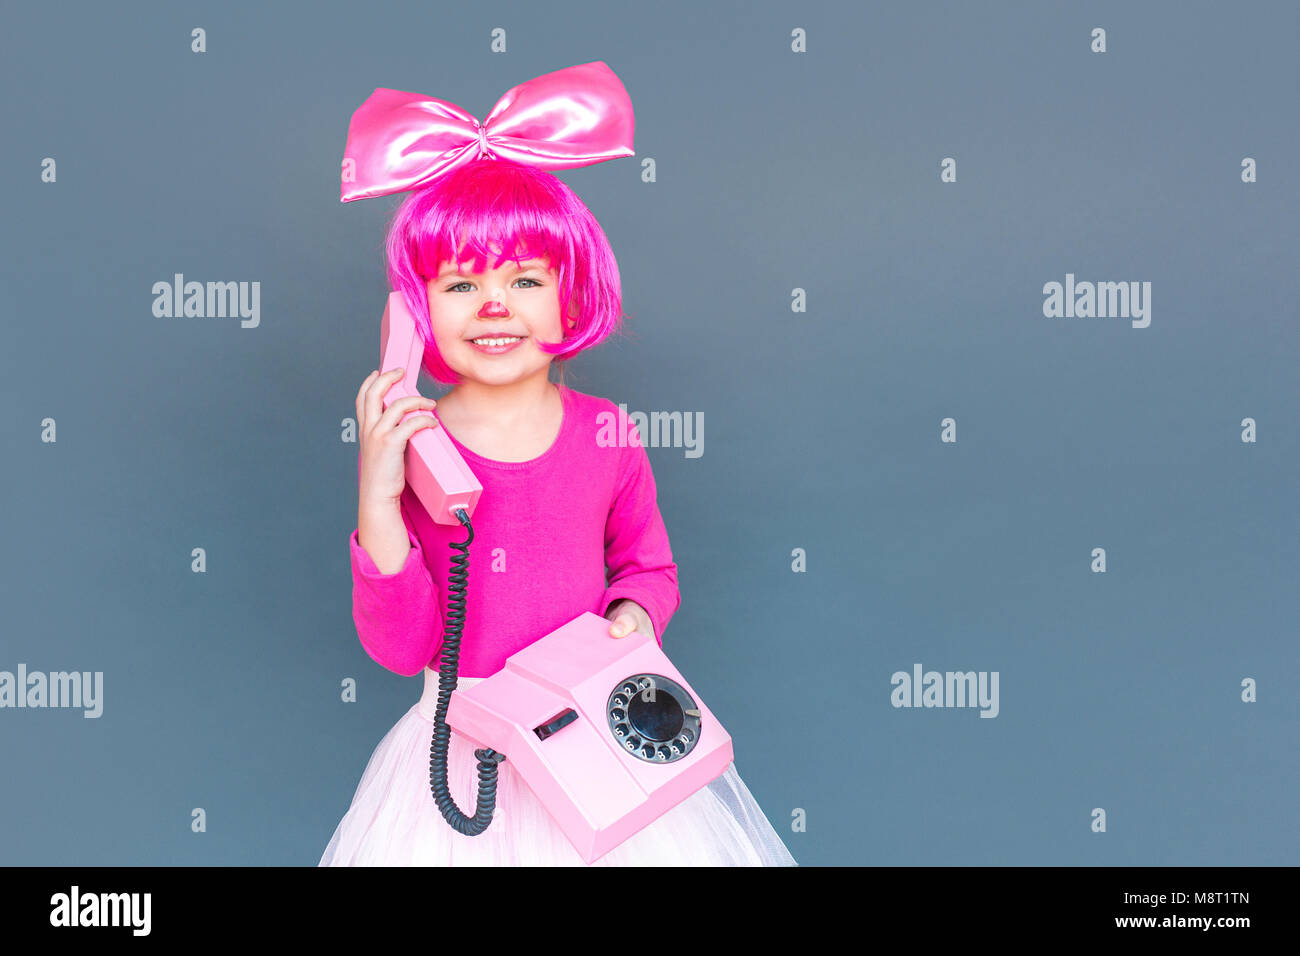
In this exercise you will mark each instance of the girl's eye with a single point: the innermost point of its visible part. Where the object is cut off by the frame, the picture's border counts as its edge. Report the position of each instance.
(525, 279)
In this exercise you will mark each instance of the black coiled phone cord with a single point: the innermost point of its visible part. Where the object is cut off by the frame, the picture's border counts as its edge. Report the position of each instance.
(448, 670)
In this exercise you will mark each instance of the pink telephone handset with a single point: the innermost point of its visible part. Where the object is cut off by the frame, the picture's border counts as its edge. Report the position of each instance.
(605, 732)
(434, 469)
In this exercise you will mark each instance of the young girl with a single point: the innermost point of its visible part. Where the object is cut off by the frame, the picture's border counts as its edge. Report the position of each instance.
(515, 277)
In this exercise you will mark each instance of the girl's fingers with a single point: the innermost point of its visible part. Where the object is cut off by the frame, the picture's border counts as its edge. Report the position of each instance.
(413, 425)
(402, 407)
(378, 388)
(361, 397)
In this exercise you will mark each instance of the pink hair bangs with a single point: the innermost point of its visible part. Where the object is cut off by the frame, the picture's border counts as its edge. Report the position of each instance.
(507, 211)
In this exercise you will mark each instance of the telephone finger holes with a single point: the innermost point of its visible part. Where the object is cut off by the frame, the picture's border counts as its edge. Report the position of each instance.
(654, 718)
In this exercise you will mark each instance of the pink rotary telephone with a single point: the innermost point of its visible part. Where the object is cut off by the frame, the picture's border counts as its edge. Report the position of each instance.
(606, 732)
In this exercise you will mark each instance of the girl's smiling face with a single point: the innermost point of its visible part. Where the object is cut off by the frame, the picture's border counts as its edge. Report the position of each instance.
(516, 301)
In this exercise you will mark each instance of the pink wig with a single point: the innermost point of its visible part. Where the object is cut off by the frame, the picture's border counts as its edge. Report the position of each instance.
(522, 212)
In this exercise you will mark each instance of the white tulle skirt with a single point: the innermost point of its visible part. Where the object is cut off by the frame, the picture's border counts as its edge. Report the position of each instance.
(393, 820)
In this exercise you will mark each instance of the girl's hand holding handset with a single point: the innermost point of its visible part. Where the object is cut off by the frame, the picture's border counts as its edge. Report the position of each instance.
(383, 435)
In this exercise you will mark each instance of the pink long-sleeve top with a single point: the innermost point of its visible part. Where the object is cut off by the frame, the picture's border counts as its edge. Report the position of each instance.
(573, 530)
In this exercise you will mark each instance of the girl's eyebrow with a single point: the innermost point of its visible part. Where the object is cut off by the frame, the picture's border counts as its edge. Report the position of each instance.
(524, 267)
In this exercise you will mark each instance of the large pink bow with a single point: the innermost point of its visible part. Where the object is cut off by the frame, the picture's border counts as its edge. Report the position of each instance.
(572, 117)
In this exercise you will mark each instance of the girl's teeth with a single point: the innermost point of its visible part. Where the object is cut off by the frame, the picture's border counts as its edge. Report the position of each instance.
(492, 343)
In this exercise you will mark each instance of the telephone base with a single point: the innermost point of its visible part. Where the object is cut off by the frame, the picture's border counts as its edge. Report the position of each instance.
(604, 731)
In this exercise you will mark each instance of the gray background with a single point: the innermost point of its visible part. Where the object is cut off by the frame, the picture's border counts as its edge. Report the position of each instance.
(775, 171)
